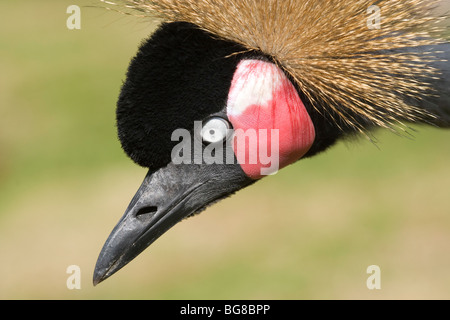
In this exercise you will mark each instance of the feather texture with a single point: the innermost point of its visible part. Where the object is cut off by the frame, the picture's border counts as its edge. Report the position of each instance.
(329, 49)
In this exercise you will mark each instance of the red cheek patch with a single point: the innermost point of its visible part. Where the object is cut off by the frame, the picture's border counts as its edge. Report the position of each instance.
(272, 127)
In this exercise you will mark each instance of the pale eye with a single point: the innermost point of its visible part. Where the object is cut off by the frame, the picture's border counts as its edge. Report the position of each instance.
(215, 130)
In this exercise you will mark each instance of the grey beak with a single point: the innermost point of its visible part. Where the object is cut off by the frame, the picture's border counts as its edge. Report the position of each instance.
(165, 198)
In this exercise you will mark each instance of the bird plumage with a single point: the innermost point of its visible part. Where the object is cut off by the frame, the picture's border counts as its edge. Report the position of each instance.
(171, 75)
(328, 49)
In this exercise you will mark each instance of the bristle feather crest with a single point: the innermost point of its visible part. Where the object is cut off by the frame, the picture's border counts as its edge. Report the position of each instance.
(327, 48)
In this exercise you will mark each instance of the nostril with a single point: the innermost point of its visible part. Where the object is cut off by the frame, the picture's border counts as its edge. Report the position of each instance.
(146, 213)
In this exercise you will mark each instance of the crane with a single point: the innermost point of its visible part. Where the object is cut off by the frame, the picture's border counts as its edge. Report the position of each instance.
(226, 92)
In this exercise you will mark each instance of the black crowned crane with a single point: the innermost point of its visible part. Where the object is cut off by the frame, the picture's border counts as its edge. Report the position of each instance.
(226, 92)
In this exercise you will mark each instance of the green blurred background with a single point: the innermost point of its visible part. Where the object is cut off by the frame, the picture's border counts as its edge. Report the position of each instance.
(308, 233)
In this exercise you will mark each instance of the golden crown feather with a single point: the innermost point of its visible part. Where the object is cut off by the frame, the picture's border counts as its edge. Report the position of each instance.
(327, 47)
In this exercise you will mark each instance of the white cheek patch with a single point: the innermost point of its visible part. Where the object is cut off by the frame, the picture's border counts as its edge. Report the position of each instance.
(254, 83)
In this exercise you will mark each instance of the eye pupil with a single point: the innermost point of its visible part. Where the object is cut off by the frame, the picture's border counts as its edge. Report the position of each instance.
(212, 132)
